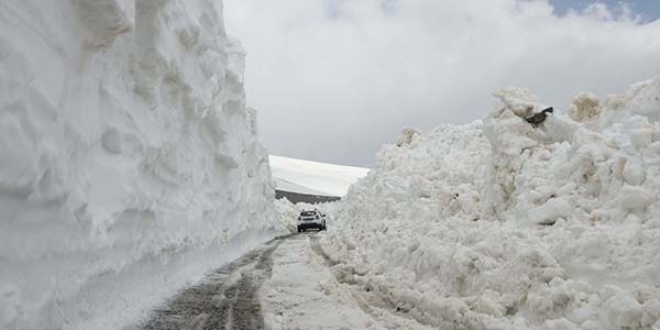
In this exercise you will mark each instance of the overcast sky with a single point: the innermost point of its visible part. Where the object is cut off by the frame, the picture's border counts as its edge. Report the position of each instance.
(333, 80)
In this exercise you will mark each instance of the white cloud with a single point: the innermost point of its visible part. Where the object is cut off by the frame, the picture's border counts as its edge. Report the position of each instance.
(334, 79)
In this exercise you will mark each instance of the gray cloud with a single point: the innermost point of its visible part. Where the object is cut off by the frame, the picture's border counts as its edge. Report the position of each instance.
(335, 79)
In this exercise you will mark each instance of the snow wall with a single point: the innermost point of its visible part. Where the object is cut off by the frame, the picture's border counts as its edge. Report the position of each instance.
(130, 164)
(501, 225)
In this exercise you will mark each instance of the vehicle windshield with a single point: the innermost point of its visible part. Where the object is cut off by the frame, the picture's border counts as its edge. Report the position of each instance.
(307, 213)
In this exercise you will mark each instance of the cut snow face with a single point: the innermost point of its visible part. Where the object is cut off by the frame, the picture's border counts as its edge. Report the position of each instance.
(129, 162)
(312, 178)
(502, 224)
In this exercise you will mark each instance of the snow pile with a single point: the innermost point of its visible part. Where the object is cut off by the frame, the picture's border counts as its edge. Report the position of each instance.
(501, 225)
(313, 178)
(289, 213)
(129, 161)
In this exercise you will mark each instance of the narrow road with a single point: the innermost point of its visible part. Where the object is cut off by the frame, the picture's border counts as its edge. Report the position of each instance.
(287, 284)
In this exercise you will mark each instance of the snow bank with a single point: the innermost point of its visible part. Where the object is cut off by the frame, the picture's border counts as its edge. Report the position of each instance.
(500, 225)
(129, 161)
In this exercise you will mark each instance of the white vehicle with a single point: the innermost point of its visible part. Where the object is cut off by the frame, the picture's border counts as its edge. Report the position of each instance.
(311, 219)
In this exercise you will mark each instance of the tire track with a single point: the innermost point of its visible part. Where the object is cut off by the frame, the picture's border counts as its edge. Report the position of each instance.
(226, 299)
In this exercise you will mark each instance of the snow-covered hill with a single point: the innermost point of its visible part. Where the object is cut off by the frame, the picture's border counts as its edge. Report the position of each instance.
(129, 163)
(314, 178)
(500, 225)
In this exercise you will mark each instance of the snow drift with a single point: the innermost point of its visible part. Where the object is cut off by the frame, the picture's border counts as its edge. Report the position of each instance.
(500, 225)
(129, 161)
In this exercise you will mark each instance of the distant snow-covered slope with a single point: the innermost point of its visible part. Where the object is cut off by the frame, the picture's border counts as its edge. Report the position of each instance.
(285, 185)
(129, 162)
(307, 177)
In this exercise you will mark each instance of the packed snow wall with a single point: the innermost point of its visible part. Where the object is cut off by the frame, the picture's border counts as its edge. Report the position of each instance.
(503, 225)
(129, 163)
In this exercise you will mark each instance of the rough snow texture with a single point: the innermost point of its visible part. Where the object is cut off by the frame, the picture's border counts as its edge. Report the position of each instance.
(500, 225)
(128, 157)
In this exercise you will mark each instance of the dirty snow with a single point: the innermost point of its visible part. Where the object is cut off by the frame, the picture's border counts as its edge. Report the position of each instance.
(500, 225)
(130, 162)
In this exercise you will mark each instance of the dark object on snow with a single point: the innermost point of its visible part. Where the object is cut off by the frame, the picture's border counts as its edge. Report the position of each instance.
(539, 118)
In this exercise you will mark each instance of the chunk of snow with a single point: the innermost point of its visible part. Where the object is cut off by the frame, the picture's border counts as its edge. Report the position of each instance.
(406, 137)
(634, 174)
(585, 107)
(636, 198)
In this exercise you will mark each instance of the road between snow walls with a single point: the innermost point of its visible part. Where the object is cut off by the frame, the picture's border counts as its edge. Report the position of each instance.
(288, 283)
(503, 225)
(130, 162)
